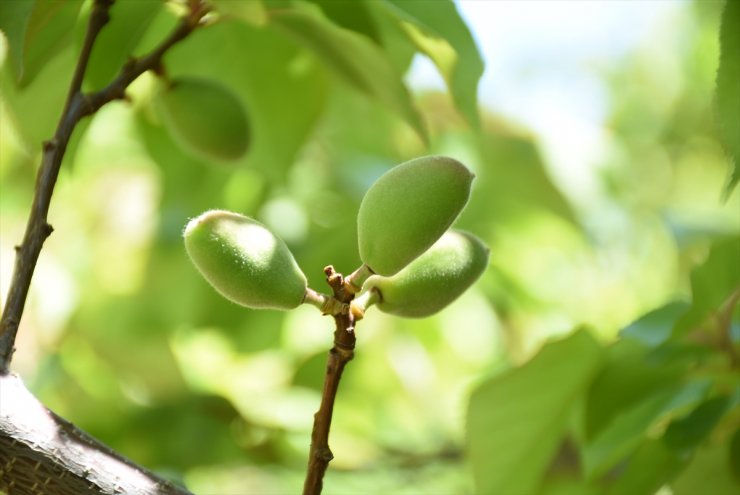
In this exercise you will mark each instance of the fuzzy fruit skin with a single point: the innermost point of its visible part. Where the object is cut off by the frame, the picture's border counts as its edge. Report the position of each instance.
(434, 279)
(205, 118)
(244, 261)
(408, 208)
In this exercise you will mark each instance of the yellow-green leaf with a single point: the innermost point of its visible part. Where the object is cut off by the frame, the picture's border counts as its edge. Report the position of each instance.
(129, 21)
(352, 57)
(728, 87)
(438, 30)
(36, 30)
(249, 11)
(516, 420)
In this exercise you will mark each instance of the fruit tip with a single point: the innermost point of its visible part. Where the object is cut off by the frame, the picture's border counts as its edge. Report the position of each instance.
(203, 217)
(190, 226)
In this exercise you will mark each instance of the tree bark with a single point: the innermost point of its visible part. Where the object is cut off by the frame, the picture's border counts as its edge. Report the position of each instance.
(41, 453)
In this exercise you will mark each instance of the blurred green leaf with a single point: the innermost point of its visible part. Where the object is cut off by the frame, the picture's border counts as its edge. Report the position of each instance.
(439, 31)
(735, 455)
(310, 373)
(628, 378)
(35, 109)
(387, 31)
(688, 432)
(655, 327)
(712, 283)
(629, 429)
(250, 11)
(129, 21)
(569, 486)
(193, 429)
(355, 16)
(515, 420)
(352, 57)
(14, 20)
(517, 183)
(651, 467)
(37, 30)
(709, 472)
(728, 87)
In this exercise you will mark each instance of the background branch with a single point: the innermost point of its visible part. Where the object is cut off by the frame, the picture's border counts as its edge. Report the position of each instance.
(343, 351)
(78, 105)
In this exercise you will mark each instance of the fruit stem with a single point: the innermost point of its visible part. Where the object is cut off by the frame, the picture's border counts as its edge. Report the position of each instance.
(353, 282)
(316, 299)
(328, 305)
(365, 300)
(343, 351)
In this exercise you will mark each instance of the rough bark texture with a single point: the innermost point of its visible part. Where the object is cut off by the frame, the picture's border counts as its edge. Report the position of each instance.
(41, 453)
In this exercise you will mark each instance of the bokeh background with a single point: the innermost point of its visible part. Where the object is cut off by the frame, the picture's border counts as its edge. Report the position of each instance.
(599, 188)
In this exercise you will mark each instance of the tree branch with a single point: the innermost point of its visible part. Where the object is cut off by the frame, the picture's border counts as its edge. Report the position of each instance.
(343, 351)
(78, 105)
(42, 453)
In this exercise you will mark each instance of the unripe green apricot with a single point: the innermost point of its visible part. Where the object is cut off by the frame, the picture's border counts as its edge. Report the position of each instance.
(244, 261)
(434, 279)
(205, 118)
(408, 208)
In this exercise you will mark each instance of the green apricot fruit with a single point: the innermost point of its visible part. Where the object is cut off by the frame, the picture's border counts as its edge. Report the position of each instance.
(434, 279)
(408, 208)
(244, 261)
(204, 118)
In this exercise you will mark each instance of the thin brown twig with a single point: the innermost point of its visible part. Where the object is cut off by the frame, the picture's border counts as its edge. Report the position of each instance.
(77, 106)
(343, 351)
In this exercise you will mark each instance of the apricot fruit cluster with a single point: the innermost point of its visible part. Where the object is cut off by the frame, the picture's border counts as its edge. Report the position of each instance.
(413, 264)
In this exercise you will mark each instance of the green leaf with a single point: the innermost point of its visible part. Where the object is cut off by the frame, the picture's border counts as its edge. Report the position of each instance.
(629, 429)
(655, 327)
(399, 49)
(438, 30)
(728, 87)
(352, 57)
(628, 378)
(355, 16)
(515, 421)
(250, 11)
(712, 283)
(35, 109)
(651, 467)
(14, 18)
(37, 30)
(687, 433)
(516, 182)
(735, 455)
(569, 485)
(710, 472)
(129, 20)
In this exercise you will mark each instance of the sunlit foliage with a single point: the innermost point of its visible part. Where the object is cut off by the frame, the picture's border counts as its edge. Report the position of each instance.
(634, 272)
